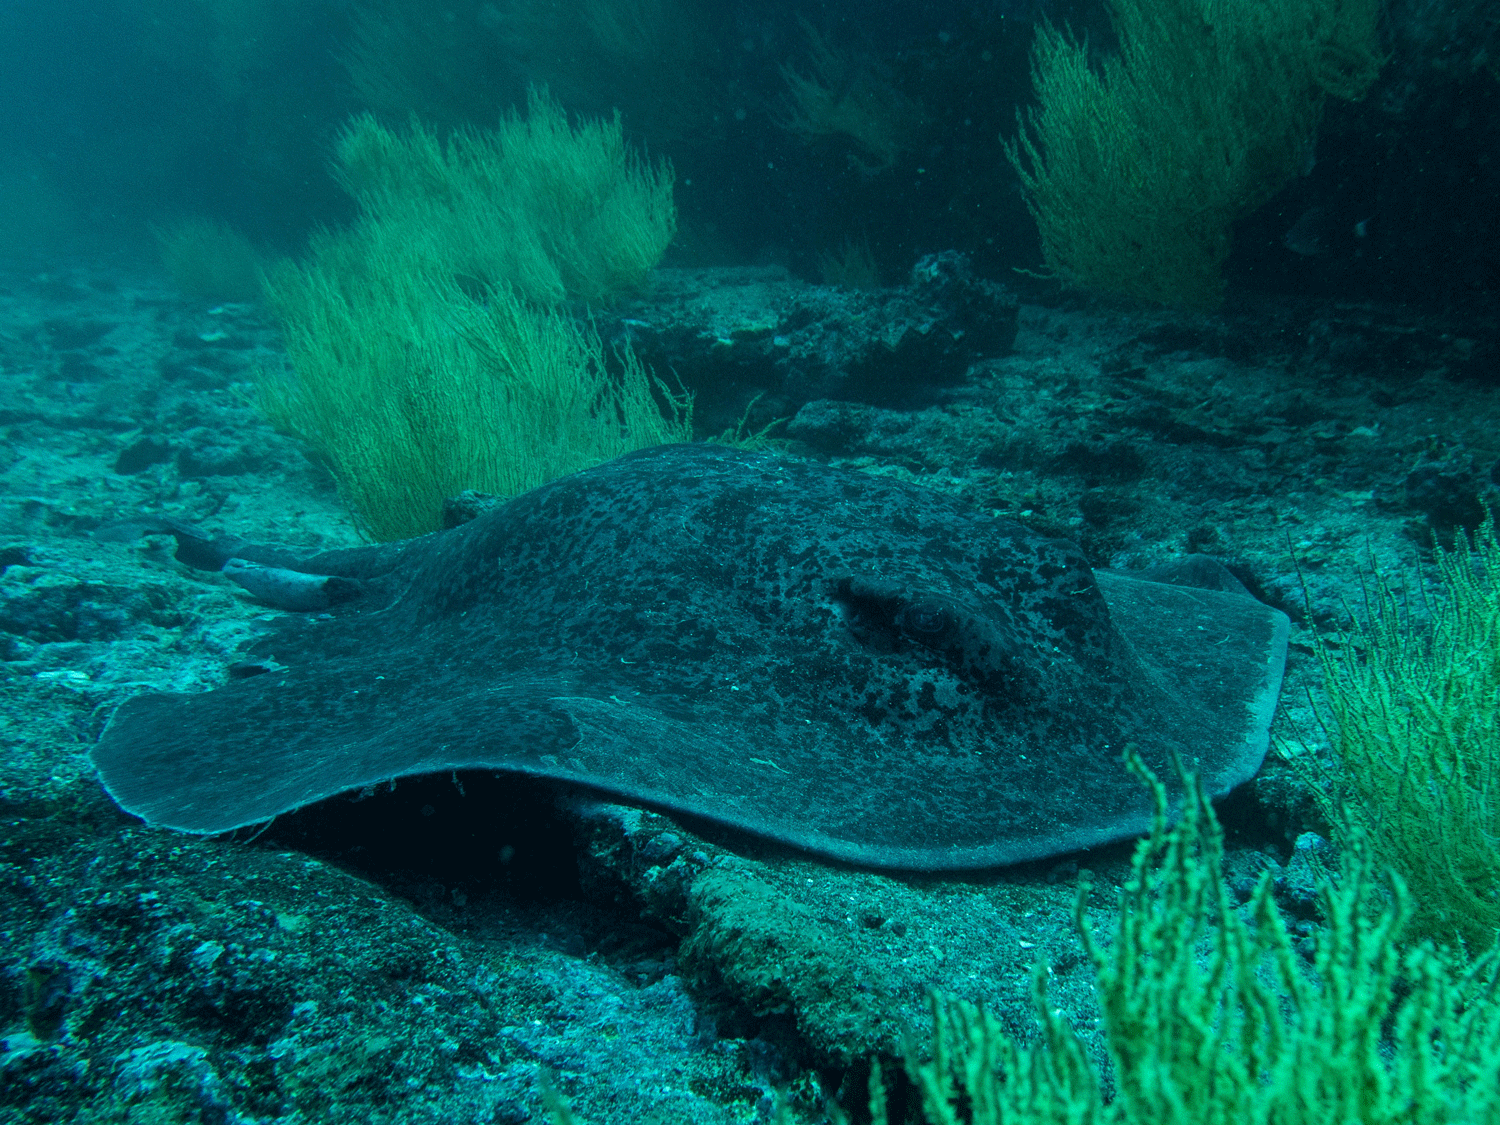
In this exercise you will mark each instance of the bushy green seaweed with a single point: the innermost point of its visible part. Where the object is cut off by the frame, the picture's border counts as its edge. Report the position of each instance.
(413, 390)
(1211, 1016)
(1137, 171)
(1415, 732)
(556, 211)
(428, 354)
(849, 94)
(211, 261)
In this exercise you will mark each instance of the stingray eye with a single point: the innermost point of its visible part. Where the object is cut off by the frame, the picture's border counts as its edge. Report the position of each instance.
(926, 618)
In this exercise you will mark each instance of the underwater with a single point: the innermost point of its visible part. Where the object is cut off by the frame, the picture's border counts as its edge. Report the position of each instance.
(739, 562)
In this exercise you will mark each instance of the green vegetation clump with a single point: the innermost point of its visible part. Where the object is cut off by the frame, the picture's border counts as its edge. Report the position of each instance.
(209, 260)
(1416, 738)
(1137, 171)
(849, 94)
(851, 266)
(552, 210)
(412, 391)
(428, 353)
(1211, 1017)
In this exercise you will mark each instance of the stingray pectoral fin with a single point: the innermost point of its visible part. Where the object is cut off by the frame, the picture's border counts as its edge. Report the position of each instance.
(253, 749)
(810, 785)
(1219, 654)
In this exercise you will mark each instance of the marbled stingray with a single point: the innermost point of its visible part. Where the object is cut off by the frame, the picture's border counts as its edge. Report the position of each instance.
(862, 668)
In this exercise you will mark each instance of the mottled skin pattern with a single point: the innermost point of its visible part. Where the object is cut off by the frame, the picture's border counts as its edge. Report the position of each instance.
(858, 666)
